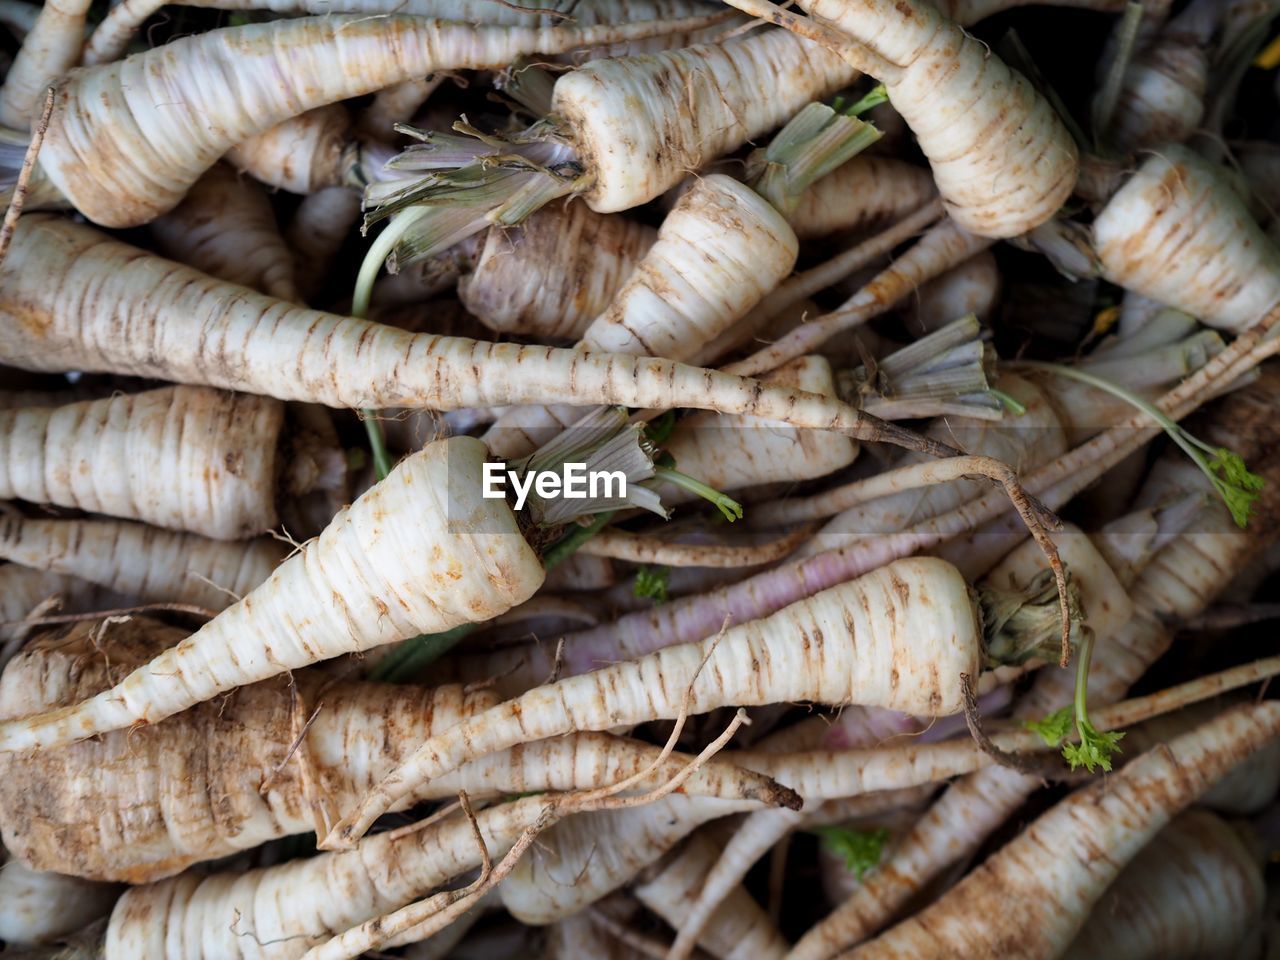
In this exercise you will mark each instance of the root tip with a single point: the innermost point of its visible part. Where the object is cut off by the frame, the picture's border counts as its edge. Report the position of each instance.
(787, 798)
(339, 840)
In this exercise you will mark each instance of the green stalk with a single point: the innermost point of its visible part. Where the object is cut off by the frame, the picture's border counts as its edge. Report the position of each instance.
(730, 508)
(873, 98)
(1094, 749)
(409, 659)
(567, 545)
(816, 141)
(1227, 473)
(861, 850)
(469, 181)
(377, 443)
(651, 583)
(534, 193)
(603, 441)
(1010, 404)
(379, 250)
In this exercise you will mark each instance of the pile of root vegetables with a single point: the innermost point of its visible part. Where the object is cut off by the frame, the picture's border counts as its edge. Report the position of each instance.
(917, 362)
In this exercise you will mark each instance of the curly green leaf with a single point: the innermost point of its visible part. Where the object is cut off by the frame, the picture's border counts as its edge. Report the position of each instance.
(1053, 728)
(861, 849)
(651, 582)
(1238, 485)
(1094, 749)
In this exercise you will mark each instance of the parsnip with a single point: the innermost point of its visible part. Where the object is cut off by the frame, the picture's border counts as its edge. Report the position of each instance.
(1001, 158)
(1162, 96)
(586, 857)
(639, 124)
(759, 595)
(1181, 577)
(186, 458)
(441, 945)
(1061, 865)
(542, 893)
(248, 758)
(1177, 233)
(370, 578)
(220, 220)
(1245, 791)
(789, 306)
(138, 808)
(278, 913)
(618, 131)
(718, 252)
(112, 35)
(145, 564)
(851, 652)
(50, 49)
(40, 907)
(823, 775)
(1106, 607)
(193, 330)
(122, 159)
(421, 552)
(754, 837)
(575, 869)
(971, 288)
(309, 152)
(1194, 891)
(398, 103)
(740, 930)
(552, 275)
(320, 225)
(730, 452)
(866, 192)
(581, 935)
(388, 870)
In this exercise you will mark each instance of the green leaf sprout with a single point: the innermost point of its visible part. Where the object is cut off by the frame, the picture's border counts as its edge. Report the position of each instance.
(861, 849)
(1053, 728)
(652, 582)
